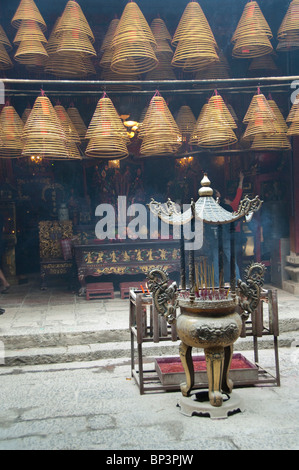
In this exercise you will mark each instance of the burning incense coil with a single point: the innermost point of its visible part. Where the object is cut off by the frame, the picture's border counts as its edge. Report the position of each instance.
(30, 30)
(5, 61)
(31, 52)
(134, 57)
(73, 19)
(193, 25)
(132, 27)
(77, 120)
(67, 125)
(12, 128)
(160, 31)
(186, 122)
(75, 42)
(4, 39)
(27, 10)
(194, 55)
(105, 119)
(259, 105)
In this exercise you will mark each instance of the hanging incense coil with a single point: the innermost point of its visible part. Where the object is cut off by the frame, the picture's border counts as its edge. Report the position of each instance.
(248, 47)
(280, 121)
(29, 30)
(259, 105)
(133, 58)
(278, 141)
(4, 39)
(107, 41)
(31, 52)
(159, 132)
(75, 42)
(164, 69)
(11, 131)
(5, 61)
(288, 45)
(293, 111)
(111, 147)
(43, 133)
(106, 118)
(216, 70)
(69, 65)
(73, 19)
(165, 122)
(265, 62)
(289, 27)
(160, 31)
(252, 35)
(27, 10)
(259, 126)
(26, 114)
(294, 127)
(77, 120)
(214, 126)
(67, 125)
(193, 25)
(252, 22)
(133, 27)
(194, 55)
(186, 122)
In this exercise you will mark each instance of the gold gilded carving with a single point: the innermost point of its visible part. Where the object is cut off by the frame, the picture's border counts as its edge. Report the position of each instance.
(50, 234)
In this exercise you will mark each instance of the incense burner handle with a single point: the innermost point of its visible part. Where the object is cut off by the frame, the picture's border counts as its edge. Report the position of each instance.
(249, 291)
(164, 295)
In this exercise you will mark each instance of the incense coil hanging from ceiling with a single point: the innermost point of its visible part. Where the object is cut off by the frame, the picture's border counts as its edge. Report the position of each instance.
(159, 133)
(27, 10)
(31, 52)
(4, 39)
(11, 132)
(133, 43)
(77, 120)
(215, 125)
(288, 33)
(186, 122)
(73, 19)
(29, 30)
(106, 133)
(5, 61)
(196, 47)
(43, 133)
(252, 35)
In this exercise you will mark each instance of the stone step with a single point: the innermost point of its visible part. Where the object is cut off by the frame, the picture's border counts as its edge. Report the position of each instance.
(120, 349)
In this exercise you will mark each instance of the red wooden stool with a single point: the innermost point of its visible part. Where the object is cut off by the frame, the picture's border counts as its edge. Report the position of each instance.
(100, 290)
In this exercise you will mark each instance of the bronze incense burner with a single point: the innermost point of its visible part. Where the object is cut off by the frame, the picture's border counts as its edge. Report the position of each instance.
(210, 317)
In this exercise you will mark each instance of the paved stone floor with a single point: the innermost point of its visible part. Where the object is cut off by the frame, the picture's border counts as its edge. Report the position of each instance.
(96, 405)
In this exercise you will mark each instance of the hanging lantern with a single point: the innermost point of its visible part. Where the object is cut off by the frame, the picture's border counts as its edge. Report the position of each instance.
(252, 35)
(27, 10)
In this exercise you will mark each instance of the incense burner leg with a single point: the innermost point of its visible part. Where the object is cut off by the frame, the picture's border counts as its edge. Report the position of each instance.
(215, 363)
(227, 383)
(186, 358)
